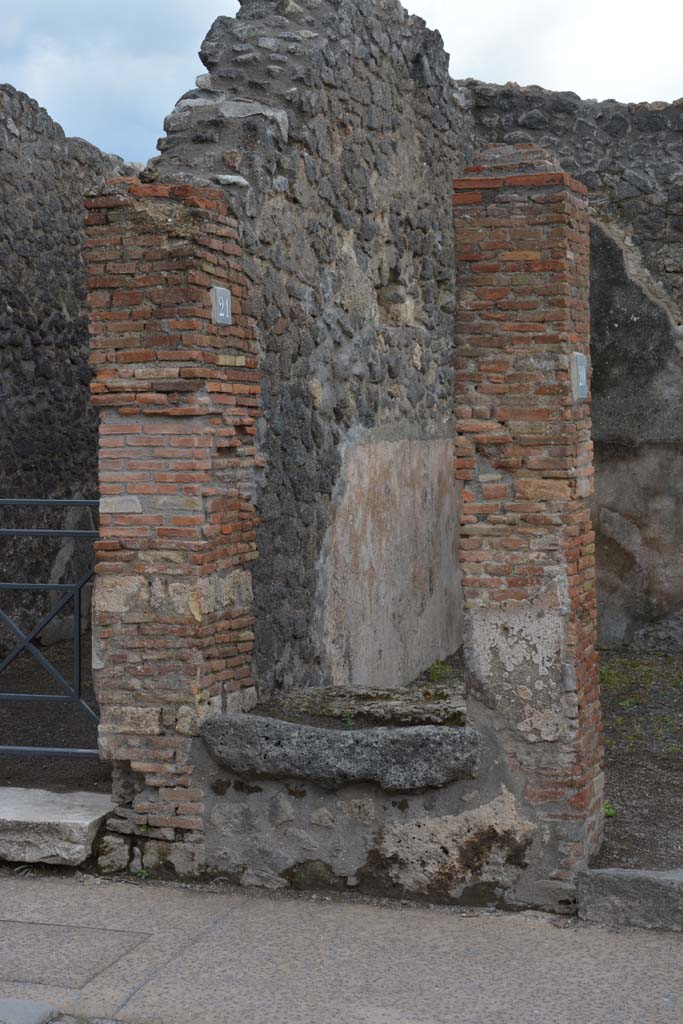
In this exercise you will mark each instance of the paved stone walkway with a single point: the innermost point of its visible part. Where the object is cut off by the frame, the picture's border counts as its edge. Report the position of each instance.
(144, 953)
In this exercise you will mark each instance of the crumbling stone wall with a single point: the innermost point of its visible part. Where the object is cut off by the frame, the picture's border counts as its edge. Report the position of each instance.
(631, 160)
(48, 444)
(333, 129)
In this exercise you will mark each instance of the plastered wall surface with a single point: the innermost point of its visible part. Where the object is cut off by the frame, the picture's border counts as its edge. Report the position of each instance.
(389, 593)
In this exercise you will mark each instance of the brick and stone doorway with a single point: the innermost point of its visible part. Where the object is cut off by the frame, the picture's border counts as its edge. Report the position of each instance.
(178, 390)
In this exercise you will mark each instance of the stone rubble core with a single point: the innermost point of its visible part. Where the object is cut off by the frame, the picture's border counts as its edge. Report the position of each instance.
(178, 400)
(390, 809)
(524, 454)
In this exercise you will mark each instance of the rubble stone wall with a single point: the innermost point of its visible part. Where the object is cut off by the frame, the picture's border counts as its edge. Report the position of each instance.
(333, 129)
(48, 429)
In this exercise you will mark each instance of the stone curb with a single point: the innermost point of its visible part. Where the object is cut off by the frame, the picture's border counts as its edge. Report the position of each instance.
(635, 898)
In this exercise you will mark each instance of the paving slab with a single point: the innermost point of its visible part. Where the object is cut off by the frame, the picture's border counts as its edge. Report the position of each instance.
(25, 1011)
(234, 957)
(173, 917)
(66, 955)
(39, 826)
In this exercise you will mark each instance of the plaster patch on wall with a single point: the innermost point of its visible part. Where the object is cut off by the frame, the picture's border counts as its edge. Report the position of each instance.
(388, 587)
(443, 855)
(515, 657)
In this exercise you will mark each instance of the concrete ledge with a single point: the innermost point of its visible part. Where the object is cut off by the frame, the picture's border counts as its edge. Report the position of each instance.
(398, 759)
(37, 826)
(639, 899)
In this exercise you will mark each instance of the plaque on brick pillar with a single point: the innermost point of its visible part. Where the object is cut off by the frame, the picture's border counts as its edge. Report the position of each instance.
(221, 305)
(579, 376)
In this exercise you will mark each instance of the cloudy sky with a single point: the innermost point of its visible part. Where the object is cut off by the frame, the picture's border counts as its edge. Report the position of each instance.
(110, 73)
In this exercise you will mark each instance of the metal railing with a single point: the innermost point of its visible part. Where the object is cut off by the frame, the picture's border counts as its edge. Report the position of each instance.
(71, 592)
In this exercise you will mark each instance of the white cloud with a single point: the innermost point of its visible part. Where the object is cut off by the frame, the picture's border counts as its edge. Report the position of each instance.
(109, 80)
(113, 79)
(605, 49)
(116, 100)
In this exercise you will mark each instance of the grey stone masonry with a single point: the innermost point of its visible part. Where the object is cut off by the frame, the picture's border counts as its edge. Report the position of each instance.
(48, 429)
(398, 759)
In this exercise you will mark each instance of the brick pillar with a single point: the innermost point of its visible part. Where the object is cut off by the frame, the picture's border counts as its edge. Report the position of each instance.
(524, 453)
(178, 397)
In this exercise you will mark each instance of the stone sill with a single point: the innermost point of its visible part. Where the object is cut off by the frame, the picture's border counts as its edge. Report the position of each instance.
(399, 759)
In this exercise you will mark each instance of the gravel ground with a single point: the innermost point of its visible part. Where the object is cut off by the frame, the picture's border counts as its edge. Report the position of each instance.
(29, 723)
(642, 707)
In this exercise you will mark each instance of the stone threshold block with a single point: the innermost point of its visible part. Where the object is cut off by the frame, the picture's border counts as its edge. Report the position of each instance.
(403, 740)
(398, 759)
(634, 898)
(37, 826)
(438, 703)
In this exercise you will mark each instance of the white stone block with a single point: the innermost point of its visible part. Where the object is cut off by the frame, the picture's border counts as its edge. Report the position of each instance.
(37, 826)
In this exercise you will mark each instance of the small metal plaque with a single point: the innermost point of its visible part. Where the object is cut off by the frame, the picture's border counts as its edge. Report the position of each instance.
(221, 305)
(579, 376)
